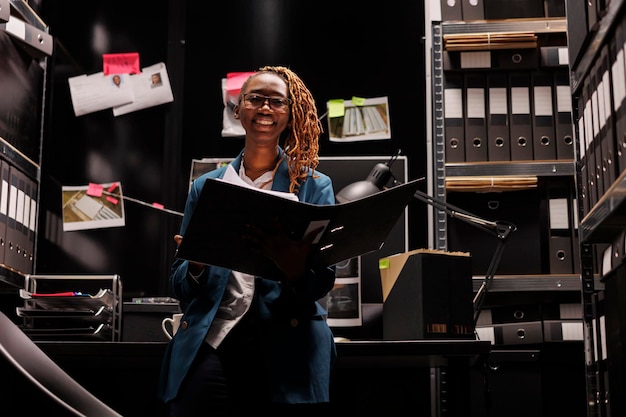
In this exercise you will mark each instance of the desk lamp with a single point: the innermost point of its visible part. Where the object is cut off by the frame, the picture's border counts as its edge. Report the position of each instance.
(381, 175)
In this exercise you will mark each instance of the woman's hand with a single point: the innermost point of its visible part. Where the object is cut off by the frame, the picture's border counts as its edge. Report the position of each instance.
(194, 268)
(289, 255)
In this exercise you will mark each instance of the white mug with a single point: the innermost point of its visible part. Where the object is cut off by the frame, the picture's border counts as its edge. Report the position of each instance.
(174, 322)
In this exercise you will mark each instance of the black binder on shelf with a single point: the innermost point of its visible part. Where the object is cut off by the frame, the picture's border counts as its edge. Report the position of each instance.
(521, 123)
(576, 18)
(13, 249)
(590, 143)
(605, 105)
(22, 218)
(554, 8)
(24, 185)
(498, 138)
(544, 147)
(515, 59)
(473, 9)
(351, 229)
(475, 121)
(513, 9)
(451, 10)
(454, 131)
(4, 205)
(582, 154)
(30, 224)
(554, 56)
(564, 133)
(616, 52)
(592, 13)
(595, 85)
(559, 199)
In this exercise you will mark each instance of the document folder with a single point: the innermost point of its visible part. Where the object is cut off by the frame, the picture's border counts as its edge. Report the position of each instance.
(451, 10)
(521, 125)
(453, 117)
(475, 123)
(214, 233)
(616, 55)
(607, 134)
(498, 139)
(544, 147)
(564, 128)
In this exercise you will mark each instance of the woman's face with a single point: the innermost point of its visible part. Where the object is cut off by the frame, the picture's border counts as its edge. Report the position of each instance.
(263, 109)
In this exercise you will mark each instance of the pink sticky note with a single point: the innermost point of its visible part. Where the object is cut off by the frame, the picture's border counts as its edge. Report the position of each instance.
(94, 190)
(234, 81)
(112, 187)
(158, 205)
(112, 200)
(127, 63)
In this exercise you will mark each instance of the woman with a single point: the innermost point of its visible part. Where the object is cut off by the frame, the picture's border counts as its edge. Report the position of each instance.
(251, 344)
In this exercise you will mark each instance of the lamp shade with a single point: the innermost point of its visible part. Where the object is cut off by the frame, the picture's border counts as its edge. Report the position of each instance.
(376, 180)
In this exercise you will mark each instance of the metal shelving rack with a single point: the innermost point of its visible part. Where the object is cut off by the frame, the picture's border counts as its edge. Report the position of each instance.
(441, 169)
(601, 225)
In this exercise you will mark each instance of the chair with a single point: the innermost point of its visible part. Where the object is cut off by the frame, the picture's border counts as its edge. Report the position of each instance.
(30, 361)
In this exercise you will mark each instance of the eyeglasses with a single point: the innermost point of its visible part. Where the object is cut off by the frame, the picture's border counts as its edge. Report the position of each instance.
(277, 103)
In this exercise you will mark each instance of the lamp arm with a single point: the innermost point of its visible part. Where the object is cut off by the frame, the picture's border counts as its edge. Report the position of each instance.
(500, 229)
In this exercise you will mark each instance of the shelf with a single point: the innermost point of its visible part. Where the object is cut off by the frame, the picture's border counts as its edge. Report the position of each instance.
(539, 25)
(534, 283)
(18, 159)
(538, 168)
(607, 219)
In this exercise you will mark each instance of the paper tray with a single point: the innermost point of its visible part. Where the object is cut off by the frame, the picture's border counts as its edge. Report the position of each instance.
(104, 297)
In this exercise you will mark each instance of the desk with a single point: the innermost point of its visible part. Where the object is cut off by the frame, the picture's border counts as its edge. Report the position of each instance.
(368, 374)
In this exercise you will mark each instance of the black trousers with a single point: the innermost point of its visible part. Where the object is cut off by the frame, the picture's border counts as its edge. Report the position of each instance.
(230, 382)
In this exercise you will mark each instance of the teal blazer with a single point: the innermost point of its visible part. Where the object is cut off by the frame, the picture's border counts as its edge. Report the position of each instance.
(299, 346)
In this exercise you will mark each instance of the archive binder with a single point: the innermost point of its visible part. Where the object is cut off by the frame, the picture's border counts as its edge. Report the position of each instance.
(475, 122)
(13, 249)
(616, 55)
(582, 155)
(473, 9)
(498, 138)
(454, 131)
(4, 206)
(451, 10)
(607, 138)
(544, 147)
(521, 125)
(590, 158)
(559, 198)
(596, 133)
(564, 134)
(223, 210)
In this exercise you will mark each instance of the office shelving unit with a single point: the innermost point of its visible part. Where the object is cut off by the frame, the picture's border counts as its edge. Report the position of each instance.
(507, 291)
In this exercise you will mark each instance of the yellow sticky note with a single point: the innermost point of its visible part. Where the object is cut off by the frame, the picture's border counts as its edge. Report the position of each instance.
(358, 101)
(336, 108)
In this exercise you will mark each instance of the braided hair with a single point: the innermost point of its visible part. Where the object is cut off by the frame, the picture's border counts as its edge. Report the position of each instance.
(301, 138)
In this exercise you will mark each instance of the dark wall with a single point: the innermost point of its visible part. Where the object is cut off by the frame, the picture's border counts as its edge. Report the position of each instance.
(340, 49)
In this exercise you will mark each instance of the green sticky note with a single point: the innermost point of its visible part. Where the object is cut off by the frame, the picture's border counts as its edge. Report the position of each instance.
(358, 101)
(383, 263)
(336, 108)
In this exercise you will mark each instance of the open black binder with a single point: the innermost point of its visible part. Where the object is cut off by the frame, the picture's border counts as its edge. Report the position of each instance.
(351, 229)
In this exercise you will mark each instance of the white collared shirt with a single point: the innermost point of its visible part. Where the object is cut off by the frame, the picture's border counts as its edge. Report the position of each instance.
(240, 288)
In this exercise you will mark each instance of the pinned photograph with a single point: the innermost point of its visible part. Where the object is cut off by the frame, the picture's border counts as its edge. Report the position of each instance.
(358, 119)
(92, 207)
